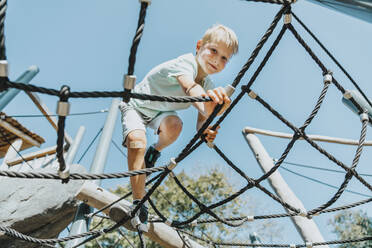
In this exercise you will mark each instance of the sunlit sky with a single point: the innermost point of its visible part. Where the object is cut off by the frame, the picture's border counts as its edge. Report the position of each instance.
(85, 44)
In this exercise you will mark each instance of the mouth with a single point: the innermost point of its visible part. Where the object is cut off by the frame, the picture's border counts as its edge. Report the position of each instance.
(214, 67)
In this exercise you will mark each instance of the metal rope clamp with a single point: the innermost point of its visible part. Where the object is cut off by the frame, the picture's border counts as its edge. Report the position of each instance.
(327, 79)
(364, 117)
(3, 74)
(309, 245)
(4, 70)
(65, 173)
(229, 90)
(210, 144)
(194, 223)
(129, 83)
(252, 94)
(292, 246)
(63, 108)
(145, 1)
(250, 218)
(287, 18)
(172, 164)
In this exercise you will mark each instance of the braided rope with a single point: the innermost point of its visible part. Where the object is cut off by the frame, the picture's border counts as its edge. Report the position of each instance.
(275, 216)
(137, 37)
(104, 94)
(348, 175)
(276, 245)
(3, 7)
(191, 145)
(80, 176)
(15, 234)
(333, 58)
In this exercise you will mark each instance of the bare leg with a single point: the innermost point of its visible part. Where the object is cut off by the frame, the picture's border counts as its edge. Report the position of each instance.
(169, 130)
(136, 143)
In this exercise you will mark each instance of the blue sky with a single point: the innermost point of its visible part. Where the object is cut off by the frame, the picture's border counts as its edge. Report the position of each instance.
(85, 44)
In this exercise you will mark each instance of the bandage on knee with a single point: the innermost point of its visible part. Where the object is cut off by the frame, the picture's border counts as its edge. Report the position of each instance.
(137, 144)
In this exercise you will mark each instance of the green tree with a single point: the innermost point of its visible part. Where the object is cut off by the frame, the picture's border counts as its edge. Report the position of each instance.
(352, 225)
(175, 205)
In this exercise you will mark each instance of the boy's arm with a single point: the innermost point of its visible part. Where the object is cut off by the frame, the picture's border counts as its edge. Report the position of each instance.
(210, 134)
(218, 95)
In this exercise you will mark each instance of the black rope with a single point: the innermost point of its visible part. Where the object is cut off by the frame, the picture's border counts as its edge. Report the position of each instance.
(333, 58)
(80, 176)
(260, 44)
(63, 98)
(3, 7)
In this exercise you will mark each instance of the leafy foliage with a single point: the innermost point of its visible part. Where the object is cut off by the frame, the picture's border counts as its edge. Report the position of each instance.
(352, 225)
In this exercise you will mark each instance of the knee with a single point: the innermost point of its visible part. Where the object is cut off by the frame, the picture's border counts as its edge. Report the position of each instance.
(173, 125)
(136, 140)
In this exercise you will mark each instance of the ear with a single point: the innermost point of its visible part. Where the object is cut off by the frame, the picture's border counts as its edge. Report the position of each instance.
(199, 44)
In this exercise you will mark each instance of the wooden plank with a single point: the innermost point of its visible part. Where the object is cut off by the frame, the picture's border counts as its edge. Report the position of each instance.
(31, 156)
(161, 233)
(321, 138)
(19, 133)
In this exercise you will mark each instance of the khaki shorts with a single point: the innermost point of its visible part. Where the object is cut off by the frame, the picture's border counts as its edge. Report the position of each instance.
(132, 119)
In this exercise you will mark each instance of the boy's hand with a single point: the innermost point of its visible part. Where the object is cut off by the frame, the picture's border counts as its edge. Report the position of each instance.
(218, 96)
(211, 134)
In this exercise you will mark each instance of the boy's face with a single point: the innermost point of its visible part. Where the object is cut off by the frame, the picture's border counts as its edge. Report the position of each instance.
(212, 57)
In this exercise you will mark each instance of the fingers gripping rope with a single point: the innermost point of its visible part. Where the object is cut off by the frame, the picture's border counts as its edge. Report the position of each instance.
(63, 109)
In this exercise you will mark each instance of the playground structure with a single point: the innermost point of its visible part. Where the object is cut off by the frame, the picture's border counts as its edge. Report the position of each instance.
(63, 171)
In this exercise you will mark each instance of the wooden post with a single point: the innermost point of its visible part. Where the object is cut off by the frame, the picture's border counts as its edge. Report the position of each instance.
(161, 233)
(306, 227)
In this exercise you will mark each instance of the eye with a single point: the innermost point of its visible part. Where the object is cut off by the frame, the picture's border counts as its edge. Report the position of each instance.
(214, 51)
(224, 59)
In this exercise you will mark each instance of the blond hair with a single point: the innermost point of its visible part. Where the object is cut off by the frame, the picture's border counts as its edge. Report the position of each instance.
(221, 33)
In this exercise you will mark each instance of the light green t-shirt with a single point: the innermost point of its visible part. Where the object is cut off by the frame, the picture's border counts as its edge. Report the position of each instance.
(162, 81)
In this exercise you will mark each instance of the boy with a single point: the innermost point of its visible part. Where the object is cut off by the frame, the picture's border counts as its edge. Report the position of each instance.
(185, 75)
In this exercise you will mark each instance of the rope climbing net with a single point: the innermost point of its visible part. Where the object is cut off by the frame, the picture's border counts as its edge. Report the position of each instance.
(64, 94)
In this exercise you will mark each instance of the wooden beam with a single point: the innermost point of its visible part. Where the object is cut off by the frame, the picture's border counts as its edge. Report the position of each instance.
(20, 134)
(342, 141)
(161, 233)
(31, 156)
(46, 112)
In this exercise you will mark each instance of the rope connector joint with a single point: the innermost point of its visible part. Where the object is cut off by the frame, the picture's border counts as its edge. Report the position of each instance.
(63, 108)
(129, 82)
(145, 1)
(309, 245)
(252, 94)
(229, 90)
(287, 18)
(168, 222)
(172, 164)
(4, 68)
(65, 173)
(364, 117)
(250, 218)
(327, 78)
(210, 144)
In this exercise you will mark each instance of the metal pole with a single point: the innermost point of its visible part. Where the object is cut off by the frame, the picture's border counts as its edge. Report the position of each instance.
(75, 145)
(81, 223)
(306, 227)
(100, 157)
(25, 78)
